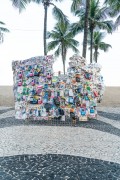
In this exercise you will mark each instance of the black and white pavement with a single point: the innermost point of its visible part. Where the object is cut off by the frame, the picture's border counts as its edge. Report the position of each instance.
(41, 151)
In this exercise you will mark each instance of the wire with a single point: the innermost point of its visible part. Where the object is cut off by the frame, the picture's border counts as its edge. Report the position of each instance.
(25, 29)
(40, 30)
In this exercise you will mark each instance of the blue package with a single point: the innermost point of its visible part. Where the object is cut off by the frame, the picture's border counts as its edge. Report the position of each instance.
(71, 100)
(45, 86)
(83, 112)
(92, 111)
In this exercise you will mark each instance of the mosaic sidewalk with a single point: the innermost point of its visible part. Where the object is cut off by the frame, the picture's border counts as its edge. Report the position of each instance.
(33, 151)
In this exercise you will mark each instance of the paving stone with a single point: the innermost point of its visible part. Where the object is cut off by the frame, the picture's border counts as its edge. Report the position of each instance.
(87, 169)
(109, 115)
(95, 139)
(5, 110)
(93, 124)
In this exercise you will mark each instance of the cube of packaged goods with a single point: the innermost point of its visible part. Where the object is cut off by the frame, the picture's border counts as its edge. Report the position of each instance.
(41, 95)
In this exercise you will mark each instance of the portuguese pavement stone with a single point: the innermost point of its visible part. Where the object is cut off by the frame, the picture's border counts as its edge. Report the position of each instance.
(41, 151)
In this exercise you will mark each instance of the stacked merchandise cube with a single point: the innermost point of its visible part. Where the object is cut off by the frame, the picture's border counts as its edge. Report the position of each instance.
(87, 86)
(98, 80)
(41, 95)
(32, 80)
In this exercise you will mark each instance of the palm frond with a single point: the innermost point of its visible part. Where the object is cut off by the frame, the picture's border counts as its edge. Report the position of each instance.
(75, 5)
(98, 36)
(80, 13)
(62, 28)
(94, 7)
(69, 35)
(77, 27)
(38, 1)
(48, 35)
(98, 43)
(59, 15)
(74, 49)
(114, 3)
(4, 29)
(2, 23)
(58, 51)
(111, 12)
(20, 4)
(53, 34)
(114, 7)
(106, 25)
(102, 13)
(52, 45)
(59, 0)
(105, 47)
(73, 42)
(117, 22)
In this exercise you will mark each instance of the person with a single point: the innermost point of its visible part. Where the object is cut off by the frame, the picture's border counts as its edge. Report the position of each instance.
(72, 116)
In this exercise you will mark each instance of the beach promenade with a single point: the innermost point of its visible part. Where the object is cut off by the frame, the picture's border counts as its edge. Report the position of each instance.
(111, 97)
(33, 151)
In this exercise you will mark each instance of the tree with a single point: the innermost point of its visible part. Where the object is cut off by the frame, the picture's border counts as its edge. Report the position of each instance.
(97, 20)
(58, 14)
(62, 40)
(86, 28)
(2, 31)
(97, 16)
(75, 6)
(98, 44)
(114, 10)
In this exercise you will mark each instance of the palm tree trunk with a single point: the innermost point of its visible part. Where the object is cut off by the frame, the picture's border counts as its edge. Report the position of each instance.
(91, 44)
(45, 29)
(64, 67)
(96, 52)
(63, 58)
(86, 28)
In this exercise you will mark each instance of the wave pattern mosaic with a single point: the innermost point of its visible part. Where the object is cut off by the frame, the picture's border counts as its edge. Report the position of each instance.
(39, 94)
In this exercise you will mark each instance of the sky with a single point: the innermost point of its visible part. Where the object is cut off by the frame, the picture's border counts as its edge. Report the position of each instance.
(25, 40)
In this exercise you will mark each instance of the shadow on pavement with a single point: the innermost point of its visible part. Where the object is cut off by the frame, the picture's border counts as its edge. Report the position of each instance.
(112, 116)
(92, 124)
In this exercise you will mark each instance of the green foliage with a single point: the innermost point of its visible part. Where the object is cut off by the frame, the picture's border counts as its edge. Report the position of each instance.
(98, 43)
(115, 4)
(2, 31)
(97, 16)
(20, 4)
(75, 5)
(97, 20)
(59, 15)
(62, 39)
(114, 10)
(62, 36)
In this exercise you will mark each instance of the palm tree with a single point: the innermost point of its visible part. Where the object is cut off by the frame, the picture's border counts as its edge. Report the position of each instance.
(2, 31)
(62, 40)
(97, 20)
(75, 6)
(58, 14)
(98, 43)
(114, 10)
(86, 28)
(97, 16)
